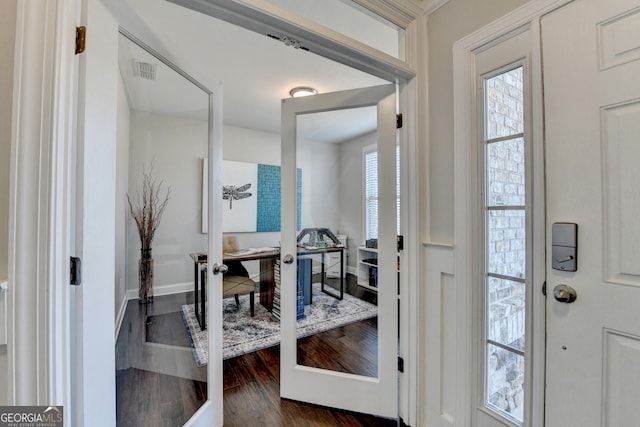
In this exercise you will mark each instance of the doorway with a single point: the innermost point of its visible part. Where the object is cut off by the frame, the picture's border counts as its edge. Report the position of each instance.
(240, 133)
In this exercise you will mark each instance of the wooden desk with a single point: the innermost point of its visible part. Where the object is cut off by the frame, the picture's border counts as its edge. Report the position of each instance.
(267, 278)
(267, 264)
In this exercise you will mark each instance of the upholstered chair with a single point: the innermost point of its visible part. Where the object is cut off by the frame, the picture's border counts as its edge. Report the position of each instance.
(236, 280)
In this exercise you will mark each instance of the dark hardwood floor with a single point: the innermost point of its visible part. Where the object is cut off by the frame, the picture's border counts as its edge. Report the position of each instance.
(158, 384)
(252, 397)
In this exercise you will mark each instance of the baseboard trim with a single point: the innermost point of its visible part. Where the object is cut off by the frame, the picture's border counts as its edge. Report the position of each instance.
(175, 288)
(120, 316)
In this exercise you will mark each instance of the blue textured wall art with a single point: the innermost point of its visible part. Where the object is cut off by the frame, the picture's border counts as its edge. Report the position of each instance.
(269, 203)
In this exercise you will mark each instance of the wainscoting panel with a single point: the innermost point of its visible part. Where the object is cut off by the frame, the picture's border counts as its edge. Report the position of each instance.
(440, 327)
(621, 372)
(621, 127)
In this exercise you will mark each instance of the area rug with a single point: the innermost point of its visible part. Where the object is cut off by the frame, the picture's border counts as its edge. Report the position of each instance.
(244, 334)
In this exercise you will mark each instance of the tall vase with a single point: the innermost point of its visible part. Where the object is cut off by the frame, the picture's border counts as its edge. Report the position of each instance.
(145, 277)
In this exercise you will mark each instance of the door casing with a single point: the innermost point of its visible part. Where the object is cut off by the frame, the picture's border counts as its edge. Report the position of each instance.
(55, 365)
(466, 223)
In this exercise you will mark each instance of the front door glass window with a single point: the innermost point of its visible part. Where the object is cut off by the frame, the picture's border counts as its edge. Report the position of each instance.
(505, 242)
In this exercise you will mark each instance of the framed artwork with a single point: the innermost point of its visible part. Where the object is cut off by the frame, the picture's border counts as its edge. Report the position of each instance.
(250, 197)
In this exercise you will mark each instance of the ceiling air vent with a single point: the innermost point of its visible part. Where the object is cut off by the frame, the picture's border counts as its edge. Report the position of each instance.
(144, 70)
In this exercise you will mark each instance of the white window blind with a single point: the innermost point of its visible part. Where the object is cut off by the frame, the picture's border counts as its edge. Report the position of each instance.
(371, 193)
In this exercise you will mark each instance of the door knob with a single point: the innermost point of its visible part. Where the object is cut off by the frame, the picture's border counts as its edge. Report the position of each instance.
(287, 259)
(565, 294)
(219, 268)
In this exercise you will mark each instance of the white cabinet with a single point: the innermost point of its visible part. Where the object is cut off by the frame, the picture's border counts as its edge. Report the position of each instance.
(332, 260)
(368, 268)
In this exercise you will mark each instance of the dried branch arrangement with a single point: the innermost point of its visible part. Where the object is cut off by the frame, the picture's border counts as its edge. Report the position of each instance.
(149, 208)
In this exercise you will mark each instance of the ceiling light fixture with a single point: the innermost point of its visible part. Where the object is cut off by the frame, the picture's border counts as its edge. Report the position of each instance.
(300, 91)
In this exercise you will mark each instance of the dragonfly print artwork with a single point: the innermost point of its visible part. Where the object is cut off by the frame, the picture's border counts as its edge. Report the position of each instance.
(231, 193)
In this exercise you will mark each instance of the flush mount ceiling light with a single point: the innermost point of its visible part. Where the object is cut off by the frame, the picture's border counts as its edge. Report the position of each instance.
(300, 91)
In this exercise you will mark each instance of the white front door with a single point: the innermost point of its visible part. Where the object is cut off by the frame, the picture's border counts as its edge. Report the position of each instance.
(591, 62)
(374, 391)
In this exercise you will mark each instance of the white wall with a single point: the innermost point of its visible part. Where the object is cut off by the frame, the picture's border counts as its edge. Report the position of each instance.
(7, 40)
(122, 208)
(247, 145)
(352, 197)
(177, 147)
(320, 179)
(451, 22)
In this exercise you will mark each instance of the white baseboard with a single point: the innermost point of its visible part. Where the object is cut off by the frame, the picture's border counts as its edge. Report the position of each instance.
(157, 291)
(120, 316)
(175, 288)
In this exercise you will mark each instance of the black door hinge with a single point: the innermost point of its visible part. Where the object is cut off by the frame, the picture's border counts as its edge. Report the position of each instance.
(81, 38)
(398, 121)
(76, 271)
(544, 288)
(400, 241)
(400, 364)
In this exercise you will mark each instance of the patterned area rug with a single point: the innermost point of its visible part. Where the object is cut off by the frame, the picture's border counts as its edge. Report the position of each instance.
(244, 334)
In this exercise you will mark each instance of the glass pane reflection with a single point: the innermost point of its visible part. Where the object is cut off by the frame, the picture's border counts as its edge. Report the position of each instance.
(505, 382)
(162, 133)
(337, 334)
(506, 312)
(506, 241)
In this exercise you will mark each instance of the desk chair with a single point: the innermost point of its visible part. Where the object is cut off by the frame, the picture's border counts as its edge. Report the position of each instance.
(236, 280)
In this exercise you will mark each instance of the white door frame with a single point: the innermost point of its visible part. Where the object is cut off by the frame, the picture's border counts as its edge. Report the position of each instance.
(40, 204)
(53, 36)
(466, 205)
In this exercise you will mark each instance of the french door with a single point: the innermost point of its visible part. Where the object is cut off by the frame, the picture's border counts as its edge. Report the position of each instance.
(376, 391)
(98, 74)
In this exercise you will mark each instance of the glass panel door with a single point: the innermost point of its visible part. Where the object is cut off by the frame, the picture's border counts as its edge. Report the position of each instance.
(166, 135)
(351, 364)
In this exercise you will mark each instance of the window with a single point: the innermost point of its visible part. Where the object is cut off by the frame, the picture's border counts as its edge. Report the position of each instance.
(371, 192)
(507, 254)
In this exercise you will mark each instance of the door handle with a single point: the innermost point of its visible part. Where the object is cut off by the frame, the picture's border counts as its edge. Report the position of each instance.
(287, 259)
(565, 294)
(219, 268)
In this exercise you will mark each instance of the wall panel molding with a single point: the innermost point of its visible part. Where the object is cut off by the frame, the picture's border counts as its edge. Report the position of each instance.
(439, 324)
(620, 128)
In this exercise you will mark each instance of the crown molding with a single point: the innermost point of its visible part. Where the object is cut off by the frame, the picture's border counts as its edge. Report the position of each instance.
(400, 12)
(433, 5)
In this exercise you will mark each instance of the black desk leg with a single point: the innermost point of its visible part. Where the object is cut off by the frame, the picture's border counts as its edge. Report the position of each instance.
(341, 274)
(322, 273)
(203, 297)
(196, 266)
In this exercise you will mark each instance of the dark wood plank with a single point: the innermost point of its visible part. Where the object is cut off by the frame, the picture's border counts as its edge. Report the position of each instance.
(166, 329)
(146, 398)
(267, 282)
(351, 349)
(251, 381)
